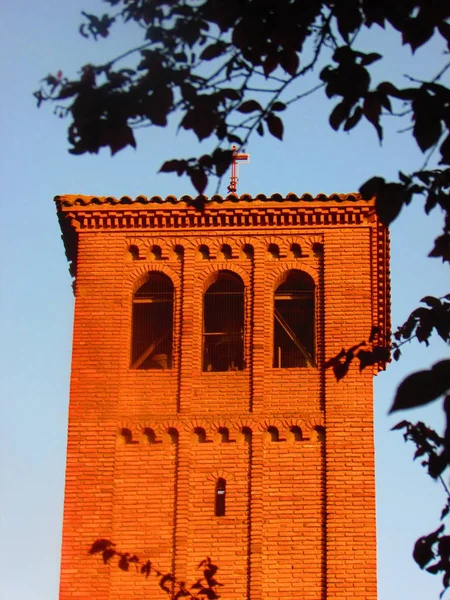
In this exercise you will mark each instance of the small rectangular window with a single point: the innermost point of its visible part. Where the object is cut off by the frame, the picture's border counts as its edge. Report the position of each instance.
(221, 488)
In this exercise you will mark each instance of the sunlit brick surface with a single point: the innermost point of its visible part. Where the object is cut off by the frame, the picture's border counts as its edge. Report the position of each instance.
(146, 447)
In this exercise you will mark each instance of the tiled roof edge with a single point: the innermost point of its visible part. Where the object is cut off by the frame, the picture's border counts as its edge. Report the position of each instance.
(68, 200)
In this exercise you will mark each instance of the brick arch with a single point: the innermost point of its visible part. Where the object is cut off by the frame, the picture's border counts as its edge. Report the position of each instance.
(181, 243)
(288, 423)
(277, 275)
(225, 424)
(171, 435)
(278, 241)
(126, 433)
(138, 277)
(161, 242)
(238, 426)
(164, 426)
(208, 274)
(148, 425)
(199, 423)
(301, 241)
(147, 433)
(247, 241)
(197, 243)
(134, 241)
(310, 240)
(221, 474)
(252, 241)
(312, 426)
(272, 422)
(217, 244)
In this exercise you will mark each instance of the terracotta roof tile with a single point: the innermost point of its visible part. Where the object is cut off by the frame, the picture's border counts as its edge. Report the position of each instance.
(78, 200)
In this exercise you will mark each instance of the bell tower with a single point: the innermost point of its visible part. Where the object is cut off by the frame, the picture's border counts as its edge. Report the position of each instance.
(202, 420)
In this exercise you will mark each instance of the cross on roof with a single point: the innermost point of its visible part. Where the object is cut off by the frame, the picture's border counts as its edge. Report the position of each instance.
(234, 169)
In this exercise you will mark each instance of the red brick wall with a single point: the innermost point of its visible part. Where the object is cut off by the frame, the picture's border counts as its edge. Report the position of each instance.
(300, 514)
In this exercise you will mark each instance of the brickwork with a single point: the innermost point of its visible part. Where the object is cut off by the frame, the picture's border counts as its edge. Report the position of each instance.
(147, 447)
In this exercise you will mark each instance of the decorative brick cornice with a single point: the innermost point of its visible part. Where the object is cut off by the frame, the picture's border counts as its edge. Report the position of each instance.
(79, 214)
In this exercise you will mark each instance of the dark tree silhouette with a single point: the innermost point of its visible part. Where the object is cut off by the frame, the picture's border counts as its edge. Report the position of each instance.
(229, 69)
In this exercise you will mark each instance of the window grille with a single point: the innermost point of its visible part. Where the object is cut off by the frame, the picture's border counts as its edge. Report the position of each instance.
(294, 321)
(223, 324)
(152, 334)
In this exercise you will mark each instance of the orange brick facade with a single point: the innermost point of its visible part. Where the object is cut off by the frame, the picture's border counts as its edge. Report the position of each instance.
(146, 447)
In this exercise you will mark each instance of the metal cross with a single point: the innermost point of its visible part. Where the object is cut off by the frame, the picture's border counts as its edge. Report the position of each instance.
(234, 169)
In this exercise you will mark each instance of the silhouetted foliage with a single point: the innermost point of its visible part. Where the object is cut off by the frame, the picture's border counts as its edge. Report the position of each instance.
(205, 587)
(228, 69)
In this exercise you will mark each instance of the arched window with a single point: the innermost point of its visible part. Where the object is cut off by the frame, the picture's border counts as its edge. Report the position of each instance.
(151, 346)
(221, 490)
(294, 321)
(223, 324)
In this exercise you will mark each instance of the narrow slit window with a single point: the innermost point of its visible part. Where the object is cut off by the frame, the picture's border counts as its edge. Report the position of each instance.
(223, 324)
(151, 346)
(294, 321)
(221, 491)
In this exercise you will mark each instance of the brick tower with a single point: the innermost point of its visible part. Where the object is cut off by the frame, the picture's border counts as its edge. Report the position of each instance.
(202, 421)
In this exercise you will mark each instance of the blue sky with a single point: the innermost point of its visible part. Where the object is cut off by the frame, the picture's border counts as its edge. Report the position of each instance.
(36, 302)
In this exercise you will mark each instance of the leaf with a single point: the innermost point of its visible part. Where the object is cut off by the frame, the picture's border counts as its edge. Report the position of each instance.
(371, 187)
(231, 94)
(249, 106)
(442, 247)
(389, 201)
(270, 63)
(444, 30)
(275, 125)
(234, 139)
(368, 59)
(339, 114)
(289, 61)
(202, 120)
(120, 138)
(397, 354)
(372, 112)
(445, 151)
(434, 569)
(206, 161)
(427, 127)
(422, 387)
(354, 119)
(436, 465)
(199, 180)
(423, 552)
(260, 129)
(213, 51)
(400, 425)
(169, 166)
(432, 302)
(222, 160)
(278, 106)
